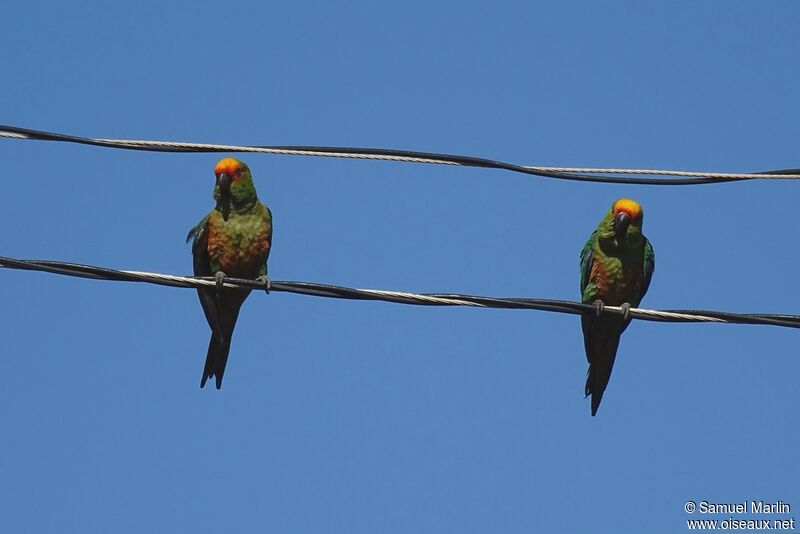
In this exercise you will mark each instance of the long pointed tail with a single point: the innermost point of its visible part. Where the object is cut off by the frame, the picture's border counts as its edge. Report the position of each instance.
(216, 359)
(597, 380)
(601, 350)
(226, 311)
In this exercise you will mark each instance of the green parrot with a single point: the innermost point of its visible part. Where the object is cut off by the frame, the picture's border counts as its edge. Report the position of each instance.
(617, 264)
(233, 240)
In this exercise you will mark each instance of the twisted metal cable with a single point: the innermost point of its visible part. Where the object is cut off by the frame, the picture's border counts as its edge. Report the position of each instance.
(399, 297)
(562, 173)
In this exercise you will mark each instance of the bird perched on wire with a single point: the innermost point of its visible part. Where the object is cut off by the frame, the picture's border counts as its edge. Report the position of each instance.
(617, 264)
(233, 240)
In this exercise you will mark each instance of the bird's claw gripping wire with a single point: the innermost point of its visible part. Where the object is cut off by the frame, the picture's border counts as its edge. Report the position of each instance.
(599, 308)
(266, 281)
(219, 279)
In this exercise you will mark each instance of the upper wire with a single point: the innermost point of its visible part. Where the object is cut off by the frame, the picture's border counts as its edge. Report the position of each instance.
(399, 297)
(614, 176)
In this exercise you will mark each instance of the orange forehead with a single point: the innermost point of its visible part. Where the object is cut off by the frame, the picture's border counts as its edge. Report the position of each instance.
(631, 207)
(229, 166)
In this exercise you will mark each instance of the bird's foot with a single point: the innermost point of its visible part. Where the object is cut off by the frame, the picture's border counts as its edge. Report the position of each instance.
(599, 307)
(219, 279)
(266, 281)
(626, 311)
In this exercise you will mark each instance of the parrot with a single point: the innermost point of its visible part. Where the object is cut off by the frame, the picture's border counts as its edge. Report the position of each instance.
(617, 264)
(233, 240)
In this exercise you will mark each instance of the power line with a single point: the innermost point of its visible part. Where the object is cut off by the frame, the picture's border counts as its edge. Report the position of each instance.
(561, 173)
(398, 297)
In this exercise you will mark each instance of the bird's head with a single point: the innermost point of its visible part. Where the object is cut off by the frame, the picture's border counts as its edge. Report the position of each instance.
(623, 223)
(234, 186)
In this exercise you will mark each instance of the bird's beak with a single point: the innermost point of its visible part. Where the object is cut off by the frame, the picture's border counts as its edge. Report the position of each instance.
(621, 223)
(224, 183)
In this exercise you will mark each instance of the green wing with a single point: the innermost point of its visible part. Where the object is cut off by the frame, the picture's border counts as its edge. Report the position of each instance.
(268, 219)
(587, 254)
(202, 266)
(649, 267)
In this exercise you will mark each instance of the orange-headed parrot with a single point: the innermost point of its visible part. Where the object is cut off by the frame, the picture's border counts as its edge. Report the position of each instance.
(617, 264)
(233, 240)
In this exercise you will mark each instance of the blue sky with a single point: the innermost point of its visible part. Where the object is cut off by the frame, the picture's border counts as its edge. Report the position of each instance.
(349, 417)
